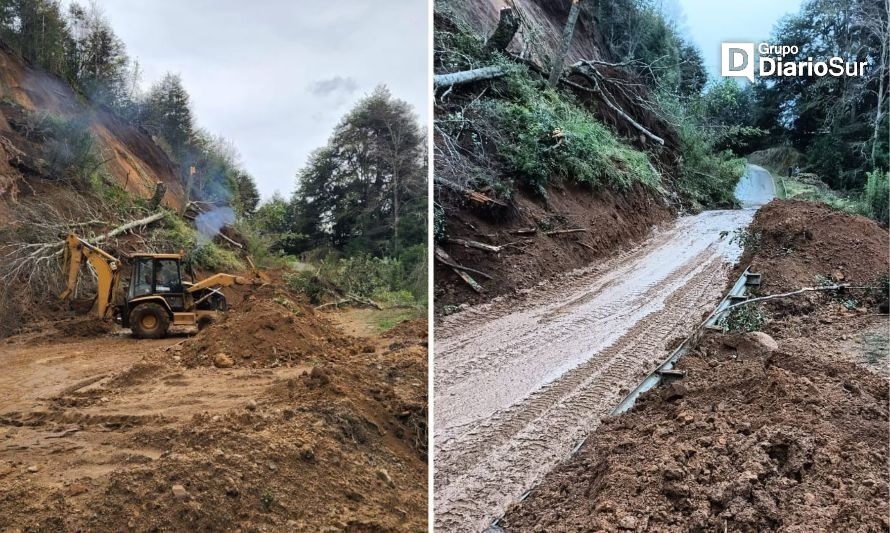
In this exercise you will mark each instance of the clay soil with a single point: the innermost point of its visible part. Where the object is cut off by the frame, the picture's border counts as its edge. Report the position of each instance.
(753, 439)
(309, 429)
(611, 221)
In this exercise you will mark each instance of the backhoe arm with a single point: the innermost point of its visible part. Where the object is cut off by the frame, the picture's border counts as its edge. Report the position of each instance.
(106, 267)
(219, 280)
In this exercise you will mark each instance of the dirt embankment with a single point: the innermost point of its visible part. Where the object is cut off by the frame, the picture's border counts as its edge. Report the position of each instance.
(302, 428)
(791, 436)
(27, 93)
(610, 220)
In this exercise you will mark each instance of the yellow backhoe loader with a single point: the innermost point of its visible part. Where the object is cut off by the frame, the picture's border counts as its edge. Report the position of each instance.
(156, 296)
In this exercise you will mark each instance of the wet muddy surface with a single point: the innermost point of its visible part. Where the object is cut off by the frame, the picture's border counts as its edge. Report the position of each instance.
(520, 380)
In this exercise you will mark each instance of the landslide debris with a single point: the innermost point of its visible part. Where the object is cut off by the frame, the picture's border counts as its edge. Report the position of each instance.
(784, 429)
(331, 434)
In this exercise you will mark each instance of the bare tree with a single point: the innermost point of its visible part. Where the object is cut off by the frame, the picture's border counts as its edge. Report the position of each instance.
(567, 32)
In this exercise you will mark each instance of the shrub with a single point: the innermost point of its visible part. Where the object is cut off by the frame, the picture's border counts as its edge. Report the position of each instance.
(745, 318)
(876, 196)
(549, 135)
(70, 150)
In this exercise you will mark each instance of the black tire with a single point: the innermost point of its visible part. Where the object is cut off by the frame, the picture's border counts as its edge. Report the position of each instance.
(149, 321)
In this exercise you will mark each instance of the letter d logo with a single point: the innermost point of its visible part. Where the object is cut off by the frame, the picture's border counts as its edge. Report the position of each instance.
(737, 60)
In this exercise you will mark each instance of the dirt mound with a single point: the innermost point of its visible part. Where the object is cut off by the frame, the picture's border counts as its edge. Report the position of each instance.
(265, 332)
(758, 436)
(411, 329)
(84, 327)
(334, 440)
(746, 442)
(795, 241)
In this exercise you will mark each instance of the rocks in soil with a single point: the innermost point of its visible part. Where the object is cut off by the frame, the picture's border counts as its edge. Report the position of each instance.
(179, 492)
(221, 360)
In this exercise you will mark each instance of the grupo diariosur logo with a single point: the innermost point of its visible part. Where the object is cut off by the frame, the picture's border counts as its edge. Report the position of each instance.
(738, 60)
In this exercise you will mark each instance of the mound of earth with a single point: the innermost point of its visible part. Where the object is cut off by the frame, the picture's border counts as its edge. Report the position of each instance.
(795, 241)
(785, 431)
(265, 331)
(748, 441)
(332, 440)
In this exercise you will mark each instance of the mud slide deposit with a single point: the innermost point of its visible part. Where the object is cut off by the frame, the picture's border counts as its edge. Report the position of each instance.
(520, 381)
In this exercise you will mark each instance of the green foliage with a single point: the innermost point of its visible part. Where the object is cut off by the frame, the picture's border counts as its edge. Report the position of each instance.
(547, 135)
(747, 239)
(365, 191)
(831, 120)
(636, 32)
(214, 258)
(876, 196)
(306, 282)
(70, 149)
(387, 281)
(707, 176)
(744, 318)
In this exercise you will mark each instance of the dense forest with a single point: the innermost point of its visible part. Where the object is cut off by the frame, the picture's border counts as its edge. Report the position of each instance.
(837, 129)
(354, 225)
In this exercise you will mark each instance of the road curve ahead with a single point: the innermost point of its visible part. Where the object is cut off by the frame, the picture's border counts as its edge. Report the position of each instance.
(519, 381)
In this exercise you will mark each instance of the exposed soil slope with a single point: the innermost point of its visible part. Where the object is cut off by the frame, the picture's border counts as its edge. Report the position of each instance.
(611, 221)
(112, 432)
(792, 438)
(131, 157)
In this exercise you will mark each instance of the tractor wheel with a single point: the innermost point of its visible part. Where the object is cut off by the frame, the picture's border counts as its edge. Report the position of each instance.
(149, 321)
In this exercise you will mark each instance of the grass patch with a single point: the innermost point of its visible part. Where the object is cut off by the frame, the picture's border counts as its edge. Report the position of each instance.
(745, 318)
(390, 318)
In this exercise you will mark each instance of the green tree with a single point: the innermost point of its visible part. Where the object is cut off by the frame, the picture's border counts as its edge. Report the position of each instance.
(366, 189)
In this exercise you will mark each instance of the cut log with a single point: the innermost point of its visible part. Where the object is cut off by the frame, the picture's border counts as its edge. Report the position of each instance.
(508, 25)
(564, 231)
(478, 245)
(469, 194)
(468, 76)
(447, 260)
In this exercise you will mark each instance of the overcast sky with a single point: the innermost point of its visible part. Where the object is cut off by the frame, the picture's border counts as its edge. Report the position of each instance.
(275, 76)
(709, 22)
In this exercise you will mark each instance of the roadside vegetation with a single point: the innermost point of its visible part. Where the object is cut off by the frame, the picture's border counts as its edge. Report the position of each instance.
(519, 131)
(833, 129)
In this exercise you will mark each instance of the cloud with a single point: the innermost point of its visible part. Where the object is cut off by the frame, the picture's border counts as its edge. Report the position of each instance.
(337, 84)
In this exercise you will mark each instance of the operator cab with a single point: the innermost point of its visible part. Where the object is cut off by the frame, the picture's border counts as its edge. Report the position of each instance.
(158, 275)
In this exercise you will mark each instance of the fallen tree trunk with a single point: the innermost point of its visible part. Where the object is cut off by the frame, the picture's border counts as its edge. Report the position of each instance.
(478, 245)
(564, 231)
(130, 225)
(447, 260)
(794, 293)
(469, 194)
(467, 76)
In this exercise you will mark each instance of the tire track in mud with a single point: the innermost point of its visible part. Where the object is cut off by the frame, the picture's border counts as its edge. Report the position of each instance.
(492, 444)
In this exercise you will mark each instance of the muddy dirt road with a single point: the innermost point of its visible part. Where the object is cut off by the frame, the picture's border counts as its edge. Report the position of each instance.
(519, 381)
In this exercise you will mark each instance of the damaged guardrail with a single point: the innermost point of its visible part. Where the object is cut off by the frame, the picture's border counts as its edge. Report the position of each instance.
(665, 371)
